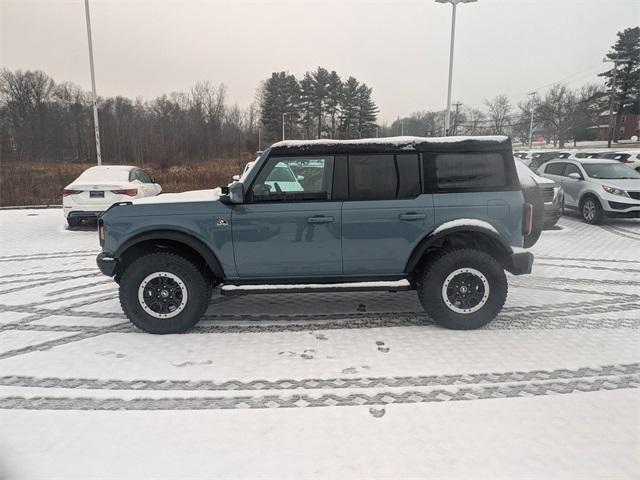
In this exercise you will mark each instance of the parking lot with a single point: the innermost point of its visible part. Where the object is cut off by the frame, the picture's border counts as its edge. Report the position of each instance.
(320, 384)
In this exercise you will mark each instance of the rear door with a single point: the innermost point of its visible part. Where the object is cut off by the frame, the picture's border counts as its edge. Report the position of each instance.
(386, 213)
(289, 227)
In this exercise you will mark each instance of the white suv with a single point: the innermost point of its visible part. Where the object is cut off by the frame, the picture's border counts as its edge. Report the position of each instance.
(97, 188)
(596, 187)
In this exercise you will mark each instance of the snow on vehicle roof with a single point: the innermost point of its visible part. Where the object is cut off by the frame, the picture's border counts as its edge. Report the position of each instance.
(210, 195)
(403, 143)
(106, 172)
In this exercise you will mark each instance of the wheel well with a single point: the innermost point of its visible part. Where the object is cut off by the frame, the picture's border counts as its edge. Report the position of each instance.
(144, 247)
(589, 195)
(463, 239)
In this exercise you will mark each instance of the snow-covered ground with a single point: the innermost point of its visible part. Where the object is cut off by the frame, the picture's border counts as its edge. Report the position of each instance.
(320, 385)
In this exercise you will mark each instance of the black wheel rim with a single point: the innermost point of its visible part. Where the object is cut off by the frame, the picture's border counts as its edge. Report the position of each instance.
(465, 290)
(162, 295)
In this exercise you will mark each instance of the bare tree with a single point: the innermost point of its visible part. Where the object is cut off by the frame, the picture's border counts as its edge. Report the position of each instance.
(499, 111)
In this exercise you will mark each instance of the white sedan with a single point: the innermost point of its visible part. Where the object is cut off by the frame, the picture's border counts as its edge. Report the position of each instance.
(97, 188)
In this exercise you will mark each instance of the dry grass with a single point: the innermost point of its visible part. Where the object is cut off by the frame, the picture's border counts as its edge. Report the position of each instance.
(42, 183)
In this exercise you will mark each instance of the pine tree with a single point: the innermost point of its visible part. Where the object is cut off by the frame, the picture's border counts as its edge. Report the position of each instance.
(280, 103)
(367, 111)
(334, 98)
(320, 90)
(306, 105)
(349, 109)
(627, 87)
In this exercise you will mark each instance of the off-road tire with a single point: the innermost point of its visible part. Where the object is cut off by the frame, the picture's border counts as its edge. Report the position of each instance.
(197, 286)
(598, 214)
(434, 275)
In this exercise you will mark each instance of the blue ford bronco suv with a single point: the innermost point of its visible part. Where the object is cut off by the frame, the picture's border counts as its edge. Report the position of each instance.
(443, 216)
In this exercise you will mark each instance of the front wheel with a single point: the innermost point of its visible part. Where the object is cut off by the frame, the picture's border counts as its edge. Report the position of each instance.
(463, 289)
(591, 211)
(163, 293)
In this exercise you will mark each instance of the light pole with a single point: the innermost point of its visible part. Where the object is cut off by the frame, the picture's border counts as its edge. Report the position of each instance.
(96, 125)
(284, 114)
(454, 3)
(612, 130)
(533, 106)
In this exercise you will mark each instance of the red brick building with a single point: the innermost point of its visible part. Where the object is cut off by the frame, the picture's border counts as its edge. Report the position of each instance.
(628, 126)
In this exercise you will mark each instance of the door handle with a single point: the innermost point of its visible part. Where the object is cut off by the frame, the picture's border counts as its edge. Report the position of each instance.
(412, 216)
(320, 219)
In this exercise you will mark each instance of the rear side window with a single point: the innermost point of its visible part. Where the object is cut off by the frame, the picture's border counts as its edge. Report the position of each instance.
(555, 168)
(384, 177)
(470, 170)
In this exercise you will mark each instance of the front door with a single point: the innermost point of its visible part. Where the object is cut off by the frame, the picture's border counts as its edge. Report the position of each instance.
(572, 187)
(289, 226)
(386, 214)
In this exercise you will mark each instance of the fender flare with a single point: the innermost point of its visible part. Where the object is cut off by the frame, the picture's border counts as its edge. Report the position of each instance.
(180, 237)
(433, 238)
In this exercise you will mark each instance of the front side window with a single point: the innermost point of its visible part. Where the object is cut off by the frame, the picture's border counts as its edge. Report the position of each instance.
(294, 179)
(384, 177)
(571, 168)
(470, 170)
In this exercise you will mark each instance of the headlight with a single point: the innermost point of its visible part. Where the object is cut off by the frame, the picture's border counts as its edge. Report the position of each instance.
(555, 192)
(615, 191)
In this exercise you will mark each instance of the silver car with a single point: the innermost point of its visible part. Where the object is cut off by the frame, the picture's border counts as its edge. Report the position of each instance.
(597, 188)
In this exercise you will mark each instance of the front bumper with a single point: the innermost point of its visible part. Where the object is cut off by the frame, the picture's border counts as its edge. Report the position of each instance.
(622, 209)
(106, 264)
(520, 263)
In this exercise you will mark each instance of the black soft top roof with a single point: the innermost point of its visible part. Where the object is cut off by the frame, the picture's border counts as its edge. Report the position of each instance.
(393, 144)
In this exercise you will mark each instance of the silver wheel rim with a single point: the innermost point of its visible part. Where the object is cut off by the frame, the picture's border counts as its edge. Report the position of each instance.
(477, 285)
(169, 291)
(589, 210)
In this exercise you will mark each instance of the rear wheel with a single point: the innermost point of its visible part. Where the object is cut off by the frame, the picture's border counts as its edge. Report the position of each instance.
(163, 293)
(591, 210)
(463, 289)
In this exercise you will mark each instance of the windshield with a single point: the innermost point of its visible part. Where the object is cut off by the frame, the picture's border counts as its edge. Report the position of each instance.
(609, 171)
(281, 173)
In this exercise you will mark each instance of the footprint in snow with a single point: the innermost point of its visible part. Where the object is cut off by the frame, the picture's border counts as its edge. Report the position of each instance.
(377, 412)
(319, 336)
(308, 354)
(354, 370)
(192, 364)
(110, 353)
(381, 347)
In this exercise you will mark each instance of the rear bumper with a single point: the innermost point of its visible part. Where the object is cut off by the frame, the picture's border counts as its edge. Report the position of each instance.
(520, 263)
(83, 214)
(106, 264)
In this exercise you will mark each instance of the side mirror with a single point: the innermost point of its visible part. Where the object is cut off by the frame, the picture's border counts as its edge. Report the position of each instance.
(300, 177)
(575, 176)
(236, 178)
(234, 193)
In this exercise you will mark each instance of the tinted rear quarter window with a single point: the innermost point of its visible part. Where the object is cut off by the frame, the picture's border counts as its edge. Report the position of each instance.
(470, 170)
(384, 177)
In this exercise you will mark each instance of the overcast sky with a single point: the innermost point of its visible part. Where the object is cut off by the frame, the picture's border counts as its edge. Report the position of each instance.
(400, 48)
